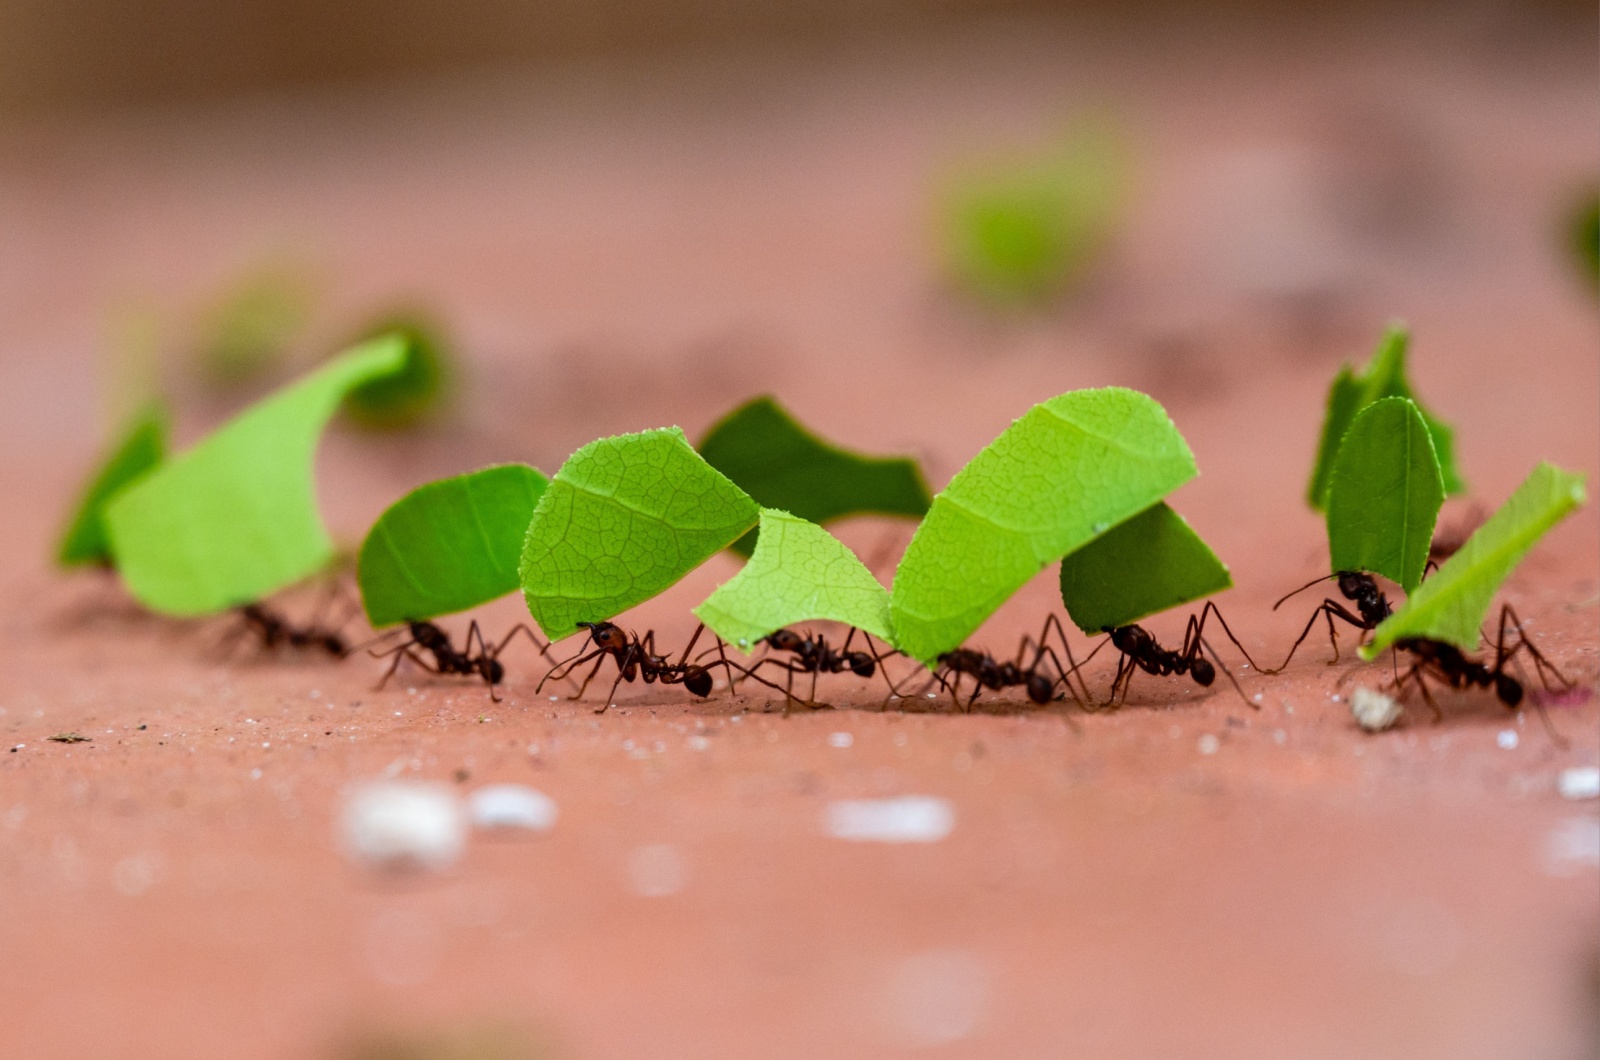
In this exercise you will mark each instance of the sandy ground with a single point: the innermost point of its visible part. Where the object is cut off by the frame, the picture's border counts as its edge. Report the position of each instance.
(1191, 877)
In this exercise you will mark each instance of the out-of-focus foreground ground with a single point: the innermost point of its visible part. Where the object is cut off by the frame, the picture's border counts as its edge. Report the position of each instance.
(617, 245)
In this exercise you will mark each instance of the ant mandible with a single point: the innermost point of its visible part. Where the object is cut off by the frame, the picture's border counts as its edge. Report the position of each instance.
(636, 656)
(1446, 663)
(447, 660)
(987, 672)
(1141, 651)
(1358, 587)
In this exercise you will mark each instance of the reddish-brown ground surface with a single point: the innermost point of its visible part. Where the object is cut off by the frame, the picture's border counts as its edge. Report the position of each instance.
(618, 252)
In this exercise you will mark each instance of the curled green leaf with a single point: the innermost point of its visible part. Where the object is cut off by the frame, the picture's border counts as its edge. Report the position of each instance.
(449, 545)
(1451, 605)
(414, 394)
(1385, 493)
(235, 518)
(1384, 376)
(623, 519)
(1069, 470)
(1149, 564)
(143, 446)
(799, 573)
(765, 452)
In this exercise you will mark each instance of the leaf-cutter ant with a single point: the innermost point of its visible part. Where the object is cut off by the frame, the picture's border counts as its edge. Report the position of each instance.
(1141, 651)
(1450, 666)
(636, 656)
(812, 654)
(274, 630)
(1358, 587)
(431, 639)
(995, 675)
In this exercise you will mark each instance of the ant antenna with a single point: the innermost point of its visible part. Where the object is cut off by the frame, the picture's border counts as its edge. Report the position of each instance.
(1303, 588)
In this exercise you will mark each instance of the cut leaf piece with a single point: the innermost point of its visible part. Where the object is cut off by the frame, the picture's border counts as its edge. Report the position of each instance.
(143, 447)
(1065, 473)
(449, 545)
(1385, 494)
(1451, 605)
(235, 518)
(1149, 564)
(622, 520)
(1384, 376)
(799, 573)
(769, 455)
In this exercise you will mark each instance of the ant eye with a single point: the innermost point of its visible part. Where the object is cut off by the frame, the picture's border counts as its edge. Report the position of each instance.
(1204, 673)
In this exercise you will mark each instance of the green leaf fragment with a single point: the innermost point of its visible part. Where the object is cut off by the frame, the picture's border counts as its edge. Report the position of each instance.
(449, 545)
(235, 518)
(414, 394)
(1151, 563)
(1451, 605)
(1385, 494)
(623, 519)
(1384, 376)
(143, 446)
(799, 573)
(1069, 470)
(769, 455)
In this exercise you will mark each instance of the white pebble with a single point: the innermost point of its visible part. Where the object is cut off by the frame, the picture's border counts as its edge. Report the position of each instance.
(840, 739)
(403, 826)
(907, 819)
(507, 806)
(698, 743)
(1582, 782)
(1507, 739)
(1373, 710)
(1209, 744)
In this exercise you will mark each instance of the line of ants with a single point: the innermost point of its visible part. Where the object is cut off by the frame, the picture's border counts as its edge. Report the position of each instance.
(1037, 667)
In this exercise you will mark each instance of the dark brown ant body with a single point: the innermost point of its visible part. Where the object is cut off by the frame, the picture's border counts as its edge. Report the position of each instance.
(990, 673)
(1141, 651)
(1450, 666)
(812, 654)
(1359, 587)
(635, 657)
(425, 637)
(273, 630)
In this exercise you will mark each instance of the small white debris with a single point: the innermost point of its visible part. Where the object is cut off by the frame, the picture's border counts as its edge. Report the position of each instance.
(933, 695)
(1507, 739)
(1337, 698)
(1209, 744)
(403, 826)
(840, 739)
(1280, 737)
(1256, 698)
(657, 870)
(907, 819)
(511, 806)
(255, 774)
(698, 743)
(1582, 782)
(1373, 710)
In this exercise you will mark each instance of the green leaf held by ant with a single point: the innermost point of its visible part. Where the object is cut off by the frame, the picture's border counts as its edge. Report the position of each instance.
(1384, 376)
(142, 447)
(1149, 564)
(234, 519)
(773, 458)
(449, 545)
(799, 573)
(1451, 605)
(1069, 470)
(622, 520)
(1385, 493)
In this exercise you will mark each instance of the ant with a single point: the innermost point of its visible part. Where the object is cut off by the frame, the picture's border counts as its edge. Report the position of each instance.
(1358, 587)
(988, 672)
(814, 655)
(1141, 651)
(1446, 663)
(274, 630)
(636, 656)
(429, 638)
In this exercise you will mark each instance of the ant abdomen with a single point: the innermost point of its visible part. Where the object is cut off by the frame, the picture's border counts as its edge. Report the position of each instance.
(697, 679)
(1203, 672)
(1508, 689)
(1040, 688)
(861, 664)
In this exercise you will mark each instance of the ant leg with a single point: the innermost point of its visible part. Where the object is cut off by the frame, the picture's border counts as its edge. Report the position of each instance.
(1212, 609)
(877, 659)
(403, 652)
(687, 648)
(599, 658)
(566, 666)
(380, 638)
(1066, 675)
(1252, 704)
(1540, 663)
(1061, 677)
(1302, 589)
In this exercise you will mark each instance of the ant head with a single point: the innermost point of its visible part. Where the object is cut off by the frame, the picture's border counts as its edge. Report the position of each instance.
(606, 635)
(492, 670)
(1203, 672)
(1131, 640)
(1040, 688)
(1509, 689)
(785, 640)
(861, 664)
(697, 679)
(1354, 584)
